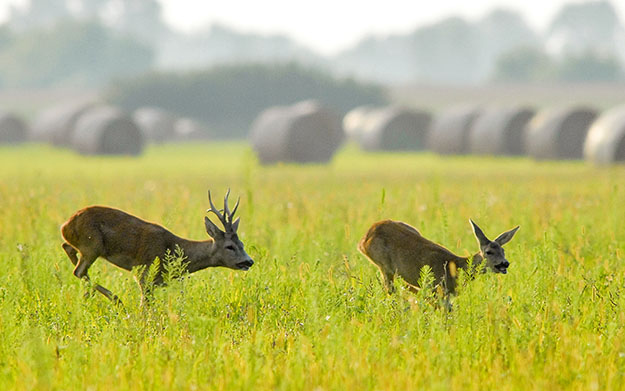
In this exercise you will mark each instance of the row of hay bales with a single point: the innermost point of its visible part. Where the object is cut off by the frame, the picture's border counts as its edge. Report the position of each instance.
(308, 132)
(89, 128)
(555, 133)
(97, 129)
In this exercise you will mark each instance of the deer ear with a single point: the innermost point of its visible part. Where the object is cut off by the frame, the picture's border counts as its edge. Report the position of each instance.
(211, 229)
(506, 236)
(235, 225)
(481, 238)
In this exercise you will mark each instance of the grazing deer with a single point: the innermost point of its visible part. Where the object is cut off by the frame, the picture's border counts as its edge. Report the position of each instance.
(127, 241)
(398, 248)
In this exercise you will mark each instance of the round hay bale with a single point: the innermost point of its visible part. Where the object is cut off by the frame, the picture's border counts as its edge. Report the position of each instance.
(304, 132)
(354, 122)
(500, 131)
(157, 125)
(395, 129)
(188, 129)
(559, 133)
(605, 142)
(105, 130)
(12, 129)
(56, 124)
(450, 130)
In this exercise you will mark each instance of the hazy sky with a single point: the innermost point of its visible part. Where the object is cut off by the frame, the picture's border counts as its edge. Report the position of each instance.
(331, 25)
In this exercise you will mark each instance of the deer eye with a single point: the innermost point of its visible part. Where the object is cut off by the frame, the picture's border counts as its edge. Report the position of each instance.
(488, 252)
(230, 248)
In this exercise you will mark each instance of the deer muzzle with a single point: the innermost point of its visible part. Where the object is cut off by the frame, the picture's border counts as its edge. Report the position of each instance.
(245, 265)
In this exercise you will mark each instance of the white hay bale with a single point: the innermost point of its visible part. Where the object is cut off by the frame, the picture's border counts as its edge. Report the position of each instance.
(605, 142)
(304, 132)
(188, 129)
(355, 121)
(106, 130)
(450, 130)
(395, 129)
(157, 125)
(500, 131)
(559, 133)
(56, 124)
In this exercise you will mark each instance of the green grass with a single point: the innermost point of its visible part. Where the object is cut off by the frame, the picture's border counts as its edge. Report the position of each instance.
(311, 314)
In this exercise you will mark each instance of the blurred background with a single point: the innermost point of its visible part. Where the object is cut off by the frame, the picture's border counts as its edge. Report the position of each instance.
(218, 65)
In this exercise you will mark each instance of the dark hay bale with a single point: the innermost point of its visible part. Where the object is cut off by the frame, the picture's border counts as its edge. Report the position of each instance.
(12, 129)
(500, 131)
(450, 130)
(304, 132)
(395, 129)
(56, 124)
(107, 130)
(156, 124)
(187, 129)
(559, 133)
(355, 121)
(605, 142)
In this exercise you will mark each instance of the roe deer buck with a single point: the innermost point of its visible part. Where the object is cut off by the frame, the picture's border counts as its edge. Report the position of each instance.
(398, 248)
(127, 241)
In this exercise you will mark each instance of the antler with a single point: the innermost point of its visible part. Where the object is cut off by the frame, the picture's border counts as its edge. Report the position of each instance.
(230, 215)
(227, 216)
(216, 211)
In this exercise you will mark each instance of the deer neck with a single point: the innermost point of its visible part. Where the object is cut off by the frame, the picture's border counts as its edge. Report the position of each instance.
(463, 262)
(199, 254)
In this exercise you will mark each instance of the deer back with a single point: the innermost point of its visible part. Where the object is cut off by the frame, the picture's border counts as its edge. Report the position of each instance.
(123, 239)
(400, 248)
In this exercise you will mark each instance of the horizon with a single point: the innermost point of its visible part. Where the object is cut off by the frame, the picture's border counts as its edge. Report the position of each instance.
(302, 25)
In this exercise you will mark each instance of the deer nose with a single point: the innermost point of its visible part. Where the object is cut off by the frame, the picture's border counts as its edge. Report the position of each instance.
(506, 263)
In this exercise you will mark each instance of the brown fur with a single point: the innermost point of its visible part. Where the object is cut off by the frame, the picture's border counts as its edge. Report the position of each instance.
(128, 241)
(398, 248)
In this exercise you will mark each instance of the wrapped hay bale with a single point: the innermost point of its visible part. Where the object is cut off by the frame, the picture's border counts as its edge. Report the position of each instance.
(450, 130)
(605, 142)
(12, 129)
(500, 131)
(304, 132)
(157, 125)
(56, 124)
(354, 122)
(187, 129)
(394, 128)
(559, 133)
(106, 130)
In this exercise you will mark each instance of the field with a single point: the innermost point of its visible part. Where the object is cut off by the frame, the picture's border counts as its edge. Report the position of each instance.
(311, 314)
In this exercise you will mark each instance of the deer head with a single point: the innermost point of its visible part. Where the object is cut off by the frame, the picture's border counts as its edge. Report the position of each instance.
(492, 250)
(228, 249)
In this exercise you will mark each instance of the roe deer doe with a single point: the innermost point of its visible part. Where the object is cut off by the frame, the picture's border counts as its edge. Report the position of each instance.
(127, 241)
(398, 248)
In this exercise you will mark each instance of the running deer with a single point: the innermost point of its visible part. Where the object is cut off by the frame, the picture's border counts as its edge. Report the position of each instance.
(127, 242)
(398, 248)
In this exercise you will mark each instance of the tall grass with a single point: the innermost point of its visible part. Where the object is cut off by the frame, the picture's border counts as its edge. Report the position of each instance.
(311, 314)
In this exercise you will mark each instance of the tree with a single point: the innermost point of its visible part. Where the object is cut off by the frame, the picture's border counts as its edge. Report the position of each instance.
(523, 64)
(140, 19)
(71, 52)
(502, 31)
(449, 51)
(38, 14)
(228, 98)
(589, 66)
(579, 27)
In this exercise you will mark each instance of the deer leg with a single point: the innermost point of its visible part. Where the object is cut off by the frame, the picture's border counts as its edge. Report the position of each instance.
(388, 277)
(72, 253)
(147, 287)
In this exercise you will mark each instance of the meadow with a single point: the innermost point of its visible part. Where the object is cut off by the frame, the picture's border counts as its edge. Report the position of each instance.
(311, 314)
